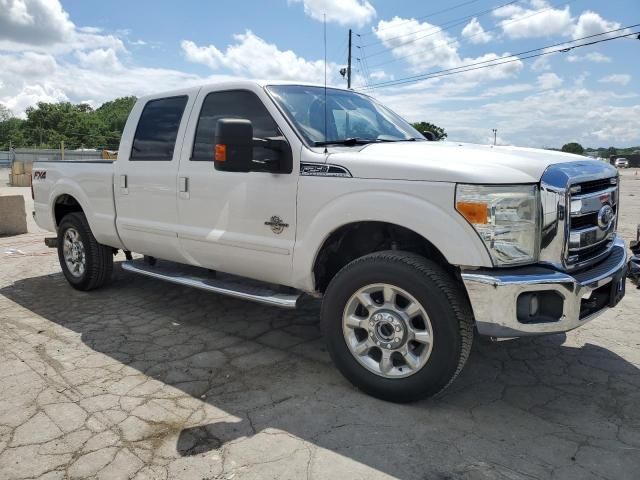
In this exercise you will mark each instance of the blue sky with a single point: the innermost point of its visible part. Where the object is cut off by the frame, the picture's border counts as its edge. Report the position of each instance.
(94, 51)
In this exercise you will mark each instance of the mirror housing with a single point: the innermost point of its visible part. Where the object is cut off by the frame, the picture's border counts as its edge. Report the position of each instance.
(282, 160)
(233, 145)
(429, 136)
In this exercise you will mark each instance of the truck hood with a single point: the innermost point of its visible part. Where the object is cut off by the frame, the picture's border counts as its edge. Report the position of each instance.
(449, 162)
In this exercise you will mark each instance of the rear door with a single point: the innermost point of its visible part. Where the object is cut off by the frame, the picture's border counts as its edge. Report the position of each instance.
(145, 179)
(237, 222)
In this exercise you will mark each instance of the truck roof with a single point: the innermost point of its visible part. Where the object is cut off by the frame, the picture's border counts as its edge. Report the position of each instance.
(235, 83)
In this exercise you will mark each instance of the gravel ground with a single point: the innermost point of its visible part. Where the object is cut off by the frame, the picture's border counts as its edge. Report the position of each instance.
(148, 380)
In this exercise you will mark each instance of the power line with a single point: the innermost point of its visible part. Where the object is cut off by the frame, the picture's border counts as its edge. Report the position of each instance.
(509, 58)
(429, 15)
(439, 28)
(366, 68)
(500, 25)
(517, 57)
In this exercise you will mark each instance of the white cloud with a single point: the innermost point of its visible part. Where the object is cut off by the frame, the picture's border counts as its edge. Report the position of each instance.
(508, 89)
(31, 77)
(540, 64)
(590, 23)
(549, 80)
(426, 46)
(32, 94)
(380, 75)
(474, 32)
(343, 12)
(542, 21)
(104, 59)
(254, 57)
(422, 43)
(618, 78)
(541, 118)
(34, 22)
(43, 25)
(594, 57)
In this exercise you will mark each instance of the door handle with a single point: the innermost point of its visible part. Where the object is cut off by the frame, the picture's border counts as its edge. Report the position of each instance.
(124, 185)
(183, 185)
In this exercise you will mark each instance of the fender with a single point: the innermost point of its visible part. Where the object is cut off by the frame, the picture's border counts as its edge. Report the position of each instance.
(99, 210)
(395, 202)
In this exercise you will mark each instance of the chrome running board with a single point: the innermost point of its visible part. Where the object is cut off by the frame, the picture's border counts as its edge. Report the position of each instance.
(230, 285)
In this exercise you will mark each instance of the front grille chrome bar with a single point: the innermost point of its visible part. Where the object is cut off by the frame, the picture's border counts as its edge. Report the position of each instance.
(577, 192)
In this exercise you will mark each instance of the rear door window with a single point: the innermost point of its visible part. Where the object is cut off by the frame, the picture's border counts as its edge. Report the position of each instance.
(157, 130)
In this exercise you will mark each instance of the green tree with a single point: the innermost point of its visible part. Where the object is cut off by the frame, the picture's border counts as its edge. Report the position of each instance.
(5, 113)
(611, 152)
(114, 115)
(11, 133)
(573, 147)
(423, 127)
(77, 125)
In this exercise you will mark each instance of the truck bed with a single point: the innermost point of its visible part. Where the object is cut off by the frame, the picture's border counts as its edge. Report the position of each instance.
(89, 183)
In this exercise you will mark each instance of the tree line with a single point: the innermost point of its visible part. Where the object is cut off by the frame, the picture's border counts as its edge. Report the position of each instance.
(47, 125)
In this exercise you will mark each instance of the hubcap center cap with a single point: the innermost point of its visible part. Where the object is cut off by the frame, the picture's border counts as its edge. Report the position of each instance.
(387, 330)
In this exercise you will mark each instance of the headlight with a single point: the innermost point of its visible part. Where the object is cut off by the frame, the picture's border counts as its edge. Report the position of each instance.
(505, 217)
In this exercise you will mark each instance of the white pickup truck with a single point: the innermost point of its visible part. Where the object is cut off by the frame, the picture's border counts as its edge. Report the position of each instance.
(268, 191)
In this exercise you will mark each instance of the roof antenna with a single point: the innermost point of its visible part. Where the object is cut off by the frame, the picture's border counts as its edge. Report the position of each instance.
(324, 16)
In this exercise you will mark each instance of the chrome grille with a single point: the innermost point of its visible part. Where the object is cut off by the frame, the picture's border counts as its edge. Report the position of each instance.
(573, 197)
(589, 235)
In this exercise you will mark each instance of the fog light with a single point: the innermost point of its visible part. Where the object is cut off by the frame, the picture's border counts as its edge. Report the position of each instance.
(543, 306)
(534, 304)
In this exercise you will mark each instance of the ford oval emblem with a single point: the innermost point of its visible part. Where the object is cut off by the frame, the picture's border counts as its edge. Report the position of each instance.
(605, 217)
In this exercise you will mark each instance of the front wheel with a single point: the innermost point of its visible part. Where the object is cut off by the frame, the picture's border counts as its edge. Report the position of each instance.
(85, 263)
(397, 325)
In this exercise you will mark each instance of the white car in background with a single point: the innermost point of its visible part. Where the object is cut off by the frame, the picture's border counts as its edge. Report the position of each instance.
(622, 163)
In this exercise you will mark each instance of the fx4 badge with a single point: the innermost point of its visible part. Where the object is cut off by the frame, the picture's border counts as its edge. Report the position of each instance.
(276, 224)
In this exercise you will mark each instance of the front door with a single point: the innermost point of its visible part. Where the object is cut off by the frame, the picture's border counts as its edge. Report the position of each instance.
(145, 187)
(243, 223)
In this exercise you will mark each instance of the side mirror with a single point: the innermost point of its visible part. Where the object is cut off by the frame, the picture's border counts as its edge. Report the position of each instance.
(281, 159)
(233, 145)
(429, 136)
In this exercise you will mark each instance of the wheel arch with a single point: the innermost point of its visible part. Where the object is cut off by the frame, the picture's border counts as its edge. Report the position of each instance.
(356, 239)
(63, 205)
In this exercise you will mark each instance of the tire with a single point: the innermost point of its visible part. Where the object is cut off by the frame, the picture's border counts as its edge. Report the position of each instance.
(446, 333)
(92, 265)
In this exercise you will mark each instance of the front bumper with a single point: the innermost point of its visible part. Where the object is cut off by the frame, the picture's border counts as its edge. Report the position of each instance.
(538, 300)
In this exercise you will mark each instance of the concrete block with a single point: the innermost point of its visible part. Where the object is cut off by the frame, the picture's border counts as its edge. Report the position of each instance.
(13, 217)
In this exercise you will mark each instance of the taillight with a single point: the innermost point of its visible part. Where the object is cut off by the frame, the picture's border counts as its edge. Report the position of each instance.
(33, 195)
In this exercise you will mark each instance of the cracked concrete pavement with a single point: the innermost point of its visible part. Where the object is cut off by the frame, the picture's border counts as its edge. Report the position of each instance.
(149, 380)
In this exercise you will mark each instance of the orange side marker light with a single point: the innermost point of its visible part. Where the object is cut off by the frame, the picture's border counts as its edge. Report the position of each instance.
(221, 152)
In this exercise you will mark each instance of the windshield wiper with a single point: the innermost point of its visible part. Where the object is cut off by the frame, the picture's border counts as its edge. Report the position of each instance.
(362, 141)
(346, 141)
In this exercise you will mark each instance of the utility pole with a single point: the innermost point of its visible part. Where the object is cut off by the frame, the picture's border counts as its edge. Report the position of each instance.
(495, 135)
(349, 63)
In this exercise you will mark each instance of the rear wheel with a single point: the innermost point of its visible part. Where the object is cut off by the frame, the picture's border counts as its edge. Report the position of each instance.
(397, 325)
(85, 263)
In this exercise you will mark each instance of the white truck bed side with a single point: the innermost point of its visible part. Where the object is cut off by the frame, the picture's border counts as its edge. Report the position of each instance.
(90, 183)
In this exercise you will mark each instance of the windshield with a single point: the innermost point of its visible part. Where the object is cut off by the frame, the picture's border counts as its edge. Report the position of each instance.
(351, 118)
